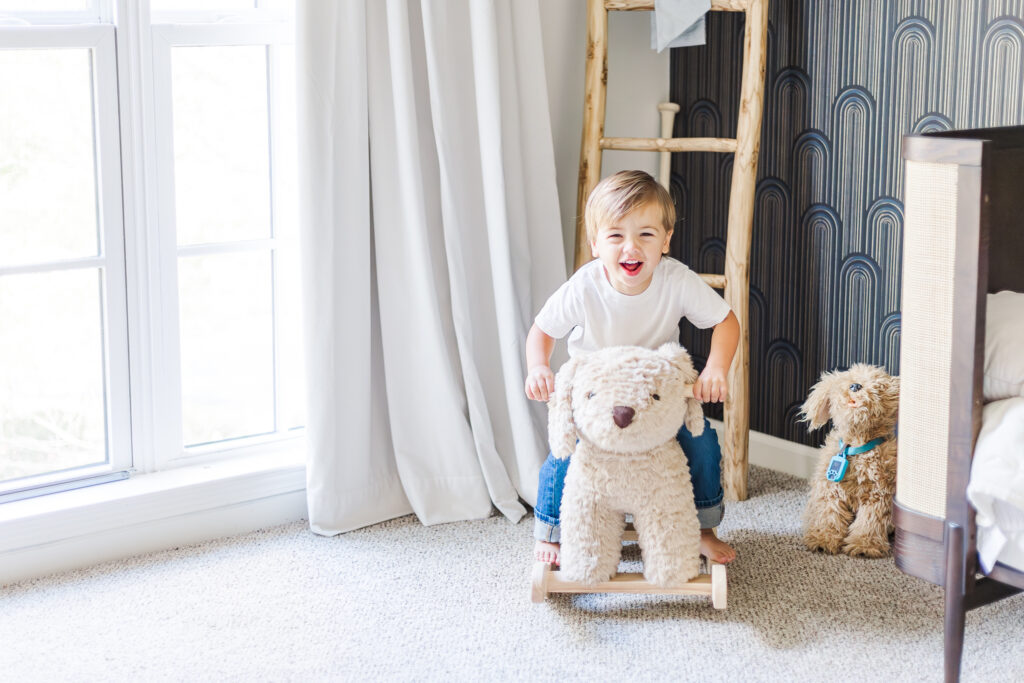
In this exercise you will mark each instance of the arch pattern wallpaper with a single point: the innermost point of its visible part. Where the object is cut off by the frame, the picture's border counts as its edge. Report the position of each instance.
(845, 80)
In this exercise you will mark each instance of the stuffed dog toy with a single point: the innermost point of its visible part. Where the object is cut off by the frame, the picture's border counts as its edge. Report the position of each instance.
(849, 509)
(616, 412)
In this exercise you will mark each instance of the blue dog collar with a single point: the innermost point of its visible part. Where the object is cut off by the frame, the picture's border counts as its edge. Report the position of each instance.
(847, 451)
(839, 462)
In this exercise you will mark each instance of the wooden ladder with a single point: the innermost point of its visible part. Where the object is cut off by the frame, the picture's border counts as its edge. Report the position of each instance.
(736, 279)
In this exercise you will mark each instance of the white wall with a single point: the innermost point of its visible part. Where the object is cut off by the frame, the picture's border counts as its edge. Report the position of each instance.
(638, 80)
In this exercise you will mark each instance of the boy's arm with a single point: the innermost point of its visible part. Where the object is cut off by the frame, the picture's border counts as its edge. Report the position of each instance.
(540, 380)
(711, 385)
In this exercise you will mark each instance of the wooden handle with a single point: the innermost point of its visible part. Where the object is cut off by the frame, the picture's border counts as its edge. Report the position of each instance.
(668, 117)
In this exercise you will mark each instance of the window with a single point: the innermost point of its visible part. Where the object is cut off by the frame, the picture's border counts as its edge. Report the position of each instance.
(148, 248)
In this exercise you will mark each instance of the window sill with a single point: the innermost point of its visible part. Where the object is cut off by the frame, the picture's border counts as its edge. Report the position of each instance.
(150, 512)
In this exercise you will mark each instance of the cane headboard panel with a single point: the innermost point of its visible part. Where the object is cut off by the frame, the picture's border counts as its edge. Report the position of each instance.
(963, 237)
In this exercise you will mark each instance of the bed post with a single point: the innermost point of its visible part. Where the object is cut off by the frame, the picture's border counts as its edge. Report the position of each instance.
(955, 612)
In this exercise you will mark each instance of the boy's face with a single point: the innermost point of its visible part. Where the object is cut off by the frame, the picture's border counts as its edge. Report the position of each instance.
(631, 247)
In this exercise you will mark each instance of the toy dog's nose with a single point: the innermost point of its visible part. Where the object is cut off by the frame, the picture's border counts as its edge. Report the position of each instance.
(855, 387)
(623, 415)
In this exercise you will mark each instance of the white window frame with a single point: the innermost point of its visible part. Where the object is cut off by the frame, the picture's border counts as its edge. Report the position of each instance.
(99, 39)
(135, 171)
(170, 450)
(98, 12)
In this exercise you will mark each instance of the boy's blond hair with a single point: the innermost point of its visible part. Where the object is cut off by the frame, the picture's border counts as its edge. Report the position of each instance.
(621, 193)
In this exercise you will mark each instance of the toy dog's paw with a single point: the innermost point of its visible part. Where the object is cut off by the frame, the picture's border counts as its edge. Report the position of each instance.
(866, 547)
(671, 571)
(583, 570)
(816, 540)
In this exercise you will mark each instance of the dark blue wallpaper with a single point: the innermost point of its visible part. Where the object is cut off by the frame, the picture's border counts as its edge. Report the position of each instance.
(845, 80)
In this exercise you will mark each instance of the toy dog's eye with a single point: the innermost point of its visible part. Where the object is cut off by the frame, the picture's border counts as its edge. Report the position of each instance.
(855, 387)
(590, 394)
(656, 397)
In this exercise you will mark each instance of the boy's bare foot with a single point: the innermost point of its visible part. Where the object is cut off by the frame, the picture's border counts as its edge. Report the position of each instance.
(547, 552)
(714, 548)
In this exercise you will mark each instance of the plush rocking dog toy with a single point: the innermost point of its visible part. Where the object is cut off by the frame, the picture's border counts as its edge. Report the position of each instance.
(616, 412)
(849, 509)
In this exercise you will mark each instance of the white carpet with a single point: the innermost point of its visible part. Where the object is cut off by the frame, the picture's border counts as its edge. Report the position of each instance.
(399, 601)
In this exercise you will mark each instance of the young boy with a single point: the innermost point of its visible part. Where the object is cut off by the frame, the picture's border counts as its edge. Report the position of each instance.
(631, 295)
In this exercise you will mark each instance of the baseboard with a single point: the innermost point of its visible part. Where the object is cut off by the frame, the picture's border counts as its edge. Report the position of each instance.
(153, 512)
(778, 454)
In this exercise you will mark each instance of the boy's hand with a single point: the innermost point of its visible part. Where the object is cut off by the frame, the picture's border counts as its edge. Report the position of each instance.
(540, 383)
(711, 386)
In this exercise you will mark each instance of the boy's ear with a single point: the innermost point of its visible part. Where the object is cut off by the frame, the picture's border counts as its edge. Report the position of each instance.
(561, 426)
(668, 241)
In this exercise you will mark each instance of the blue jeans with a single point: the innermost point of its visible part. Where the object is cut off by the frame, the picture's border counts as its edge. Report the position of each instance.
(702, 453)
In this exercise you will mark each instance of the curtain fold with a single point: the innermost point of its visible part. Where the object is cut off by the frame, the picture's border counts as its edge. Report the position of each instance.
(430, 237)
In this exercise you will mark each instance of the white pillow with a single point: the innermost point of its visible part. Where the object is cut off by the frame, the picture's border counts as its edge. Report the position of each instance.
(1004, 346)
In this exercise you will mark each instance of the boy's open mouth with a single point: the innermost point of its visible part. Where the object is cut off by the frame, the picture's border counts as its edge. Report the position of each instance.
(632, 266)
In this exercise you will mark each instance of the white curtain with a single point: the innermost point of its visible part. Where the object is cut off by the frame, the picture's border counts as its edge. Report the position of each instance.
(431, 237)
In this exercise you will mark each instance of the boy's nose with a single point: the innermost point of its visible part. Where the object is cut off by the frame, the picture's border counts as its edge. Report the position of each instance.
(623, 415)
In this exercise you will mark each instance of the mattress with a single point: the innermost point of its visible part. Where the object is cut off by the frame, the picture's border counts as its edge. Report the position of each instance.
(996, 485)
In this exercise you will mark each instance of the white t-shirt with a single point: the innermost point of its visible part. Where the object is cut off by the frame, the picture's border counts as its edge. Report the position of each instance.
(600, 316)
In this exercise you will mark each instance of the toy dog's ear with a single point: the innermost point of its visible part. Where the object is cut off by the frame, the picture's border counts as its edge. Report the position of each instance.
(561, 426)
(892, 395)
(817, 409)
(679, 357)
(694, 420)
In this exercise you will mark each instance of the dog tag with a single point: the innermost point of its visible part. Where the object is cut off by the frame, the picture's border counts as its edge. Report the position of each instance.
(836, 467)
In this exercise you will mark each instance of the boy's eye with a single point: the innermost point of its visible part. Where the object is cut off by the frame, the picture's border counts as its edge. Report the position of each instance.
(590, 394)
(656, 397)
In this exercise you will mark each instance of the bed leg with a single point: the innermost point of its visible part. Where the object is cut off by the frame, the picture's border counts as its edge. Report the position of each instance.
(955, 609)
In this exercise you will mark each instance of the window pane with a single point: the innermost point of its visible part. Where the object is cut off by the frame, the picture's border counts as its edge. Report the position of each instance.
(221, 145)
(189, 5)
(52, 408)
(47, 166)
(227, 347)
(286, 218)
(281, 5)
(291, 355)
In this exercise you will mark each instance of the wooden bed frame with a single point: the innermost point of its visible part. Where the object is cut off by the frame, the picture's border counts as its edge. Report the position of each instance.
(963, 238)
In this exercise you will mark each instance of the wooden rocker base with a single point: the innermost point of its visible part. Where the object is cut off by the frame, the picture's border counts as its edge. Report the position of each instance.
(545, 581)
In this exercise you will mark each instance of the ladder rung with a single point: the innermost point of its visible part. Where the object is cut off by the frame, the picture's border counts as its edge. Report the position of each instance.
(648, 5)
(716, 281)
(670, 144)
